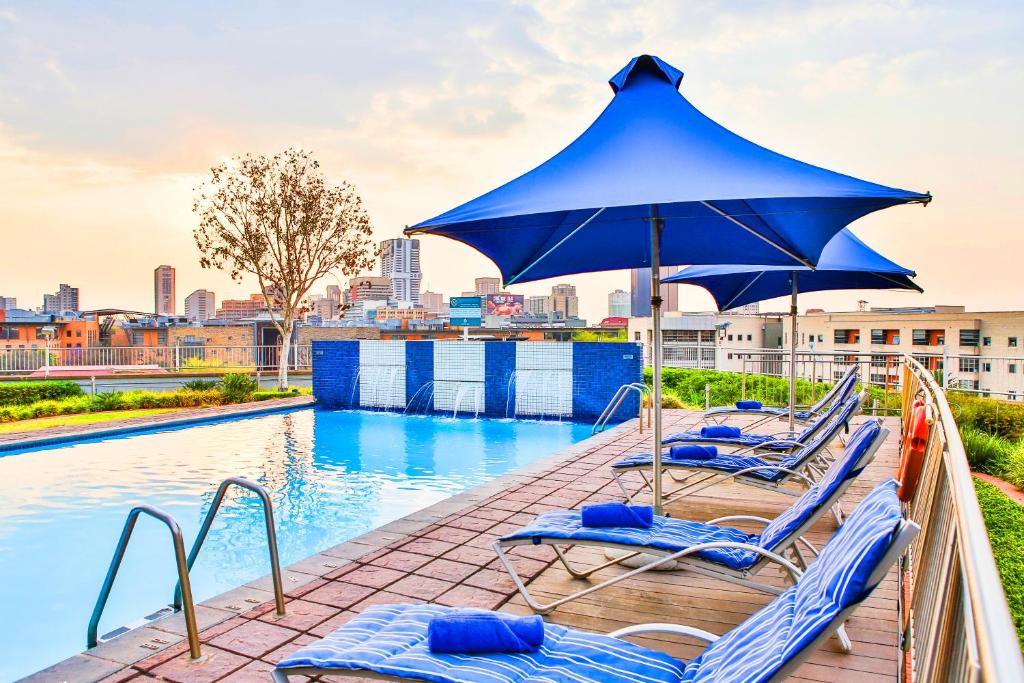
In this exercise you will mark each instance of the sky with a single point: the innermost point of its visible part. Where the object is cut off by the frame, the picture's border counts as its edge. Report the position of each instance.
(112, 113)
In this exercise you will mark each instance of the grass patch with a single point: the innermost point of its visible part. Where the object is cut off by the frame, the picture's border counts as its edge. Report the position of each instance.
(79, 419)
(1004, 519)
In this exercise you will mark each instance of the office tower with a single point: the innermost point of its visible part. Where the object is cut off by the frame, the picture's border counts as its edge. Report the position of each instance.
(618, 304)
(400, 262)
(200, 305)
(8, 303)
(640, 292)
(369, 288)
(163, 290)
(487, 285)
(432, 301)
(66, 299)
(564, 300)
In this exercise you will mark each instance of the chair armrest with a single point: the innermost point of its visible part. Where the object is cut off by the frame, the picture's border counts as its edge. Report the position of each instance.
(675, 629)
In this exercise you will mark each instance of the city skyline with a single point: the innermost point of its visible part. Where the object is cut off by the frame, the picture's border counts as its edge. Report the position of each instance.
(102, 186)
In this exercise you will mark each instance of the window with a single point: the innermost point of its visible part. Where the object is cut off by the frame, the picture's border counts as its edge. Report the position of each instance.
(986, 367)
(968, 365)
(969, 337)
(986, 341)
(821, 338)
(730, 337)
(1012, 341)
(1012, 395)
(729, 356)
(846, 336)
(8, 332)
(919, 337)
(68, 333)
(877, 336)
(1012, 368)
(750, 337)
(78, 333)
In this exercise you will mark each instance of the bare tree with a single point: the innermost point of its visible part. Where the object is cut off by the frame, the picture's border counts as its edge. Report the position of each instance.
(277, 218)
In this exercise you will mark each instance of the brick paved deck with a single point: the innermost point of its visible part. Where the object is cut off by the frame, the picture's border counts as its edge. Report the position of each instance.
(443, 554)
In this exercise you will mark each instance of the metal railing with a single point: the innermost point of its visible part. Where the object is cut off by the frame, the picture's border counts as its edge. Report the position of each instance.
(159, 359)
(268, 518)
(191, 627)
(642, 390)
(955, 620)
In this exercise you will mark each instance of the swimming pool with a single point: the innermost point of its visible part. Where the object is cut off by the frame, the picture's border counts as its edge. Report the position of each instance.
(332, 475)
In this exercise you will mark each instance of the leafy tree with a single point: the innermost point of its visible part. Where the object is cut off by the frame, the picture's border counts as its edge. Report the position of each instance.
(276, 218)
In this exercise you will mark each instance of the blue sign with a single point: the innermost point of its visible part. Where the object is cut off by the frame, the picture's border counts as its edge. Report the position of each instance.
(465, 311)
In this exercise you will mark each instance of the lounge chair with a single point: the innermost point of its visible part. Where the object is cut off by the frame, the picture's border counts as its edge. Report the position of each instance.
(707, 548)
(788, 473)
(846, 383)
(779, 441)
(389, 642)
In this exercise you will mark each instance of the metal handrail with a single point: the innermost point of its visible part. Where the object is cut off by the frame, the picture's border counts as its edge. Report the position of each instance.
(960, 625)
(191, 627)
(613, 405)
(268, 518)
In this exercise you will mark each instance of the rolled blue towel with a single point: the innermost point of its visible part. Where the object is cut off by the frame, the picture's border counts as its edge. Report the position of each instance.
(617, 514)
(693, 452)
(482, 632)
(749, 405)
(719, 431)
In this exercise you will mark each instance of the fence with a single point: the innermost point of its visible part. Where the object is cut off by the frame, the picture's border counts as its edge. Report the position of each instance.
(955, 621)
(158, 359)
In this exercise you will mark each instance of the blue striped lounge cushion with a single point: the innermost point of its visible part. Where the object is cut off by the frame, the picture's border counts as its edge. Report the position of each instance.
(724, 462)
(392, 640)
(761, 645)
(841, 470)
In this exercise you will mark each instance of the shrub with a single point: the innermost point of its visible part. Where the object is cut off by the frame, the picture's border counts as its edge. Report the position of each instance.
(237, 388)
(271, 394)
(1004, 519)
(1001, 418)
(201, 384)
(985, 452)
(24, 393)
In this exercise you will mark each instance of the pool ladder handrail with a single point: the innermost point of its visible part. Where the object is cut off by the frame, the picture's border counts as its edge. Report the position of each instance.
(268, 518)
(191, 628)
(613, 405)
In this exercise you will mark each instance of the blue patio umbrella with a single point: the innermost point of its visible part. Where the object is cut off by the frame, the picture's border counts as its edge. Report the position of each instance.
(653, 182)
(845, 263)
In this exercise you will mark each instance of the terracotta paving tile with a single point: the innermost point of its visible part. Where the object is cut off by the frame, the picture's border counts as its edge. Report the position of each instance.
(510, 505)
(163, 656)
(305, 588)
(451, 534)
(447, 570)
(339, 594)
(472, 523)
(373, 576)
(526, 567)
(253, 672)
(286, 650)
(483, 541)
(331, 624)
(428, 547)
(121, 676)
(491, 579)
(214, 665)
(254, 638)
(301, 615)
(470, 555)
(422, 587)
(468, 596)
(386, 598)
(400, 560)
(209, 634)
(491, 513)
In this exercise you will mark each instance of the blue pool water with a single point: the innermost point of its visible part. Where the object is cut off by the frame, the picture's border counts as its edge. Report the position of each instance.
(333, 475)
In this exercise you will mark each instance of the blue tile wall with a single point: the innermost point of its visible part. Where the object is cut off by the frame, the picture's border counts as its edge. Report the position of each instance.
(499, 364)
(598, 370)
(335, 371)
(419, 370)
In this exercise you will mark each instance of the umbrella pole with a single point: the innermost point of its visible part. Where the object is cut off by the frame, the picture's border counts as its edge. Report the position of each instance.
(792, 354)
(656, 226)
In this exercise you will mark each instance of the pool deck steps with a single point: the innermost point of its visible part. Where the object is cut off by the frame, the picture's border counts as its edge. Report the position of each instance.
(444, 554)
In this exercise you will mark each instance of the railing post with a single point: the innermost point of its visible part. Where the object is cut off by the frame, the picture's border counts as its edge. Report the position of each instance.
(177, 358)
(743, 379)
(707, 396)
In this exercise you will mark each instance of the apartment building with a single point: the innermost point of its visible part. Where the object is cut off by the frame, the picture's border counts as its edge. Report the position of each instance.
(8, 302)
(163, 290)
(64, 301)
(400, 263)
(618, 304)
(708, 340)
(200, 305)
(565, 301)
(985, 350)
(482, 286)
(21, 329)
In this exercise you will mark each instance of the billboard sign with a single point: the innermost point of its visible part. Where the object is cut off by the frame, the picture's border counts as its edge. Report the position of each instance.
(505, 304)
(465, 311)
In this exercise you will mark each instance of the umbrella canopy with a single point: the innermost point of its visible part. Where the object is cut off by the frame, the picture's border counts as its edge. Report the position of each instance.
(845, 263)
(722, 198)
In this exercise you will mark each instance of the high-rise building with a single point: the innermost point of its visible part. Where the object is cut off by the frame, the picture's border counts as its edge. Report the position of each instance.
(432, 301)
(334, 294)
(200, 305)
(7, 303)
(487, 285)
(537, 305)
(66, 299)
(618, 304)
(163, 290)
(564, 300)
(369, 288)
(640, 292)
(238, 309)
(400, 262)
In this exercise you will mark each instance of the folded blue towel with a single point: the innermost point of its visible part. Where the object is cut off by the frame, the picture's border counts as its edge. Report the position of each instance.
(617, 515)
(478, 633)
(718, 431)
(749, 405)
(693, 452)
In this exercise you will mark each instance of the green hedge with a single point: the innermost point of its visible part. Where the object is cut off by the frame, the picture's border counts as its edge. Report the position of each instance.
(1004, 519)
(997, 417)
(126, 400)
(24, 393)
